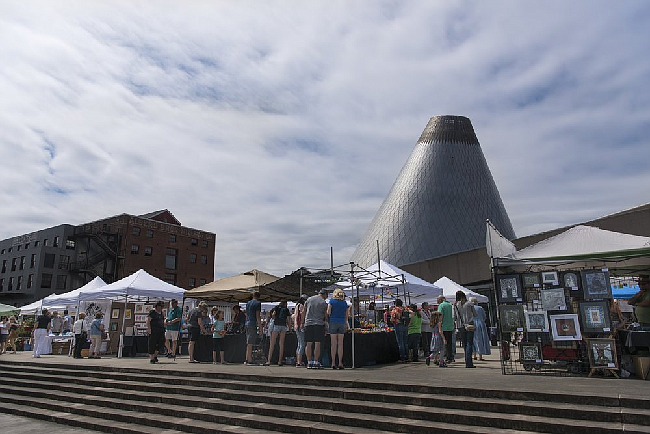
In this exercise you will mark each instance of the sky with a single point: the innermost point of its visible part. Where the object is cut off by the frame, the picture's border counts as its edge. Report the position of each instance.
(281, 125)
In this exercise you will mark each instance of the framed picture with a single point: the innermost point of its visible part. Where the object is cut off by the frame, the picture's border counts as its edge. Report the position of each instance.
(550, 277)
(113, 326)
(595, 284)
(594, 316)
(553, 299)
(127, 314)
(602, 353)
(141, 318)
(531, 280)
(148, 308)
(536, 321)
(509, 288)
(565, 327)
(530, 352)
(139, 308)
(511, 317)
(115, 314)
(571, 280)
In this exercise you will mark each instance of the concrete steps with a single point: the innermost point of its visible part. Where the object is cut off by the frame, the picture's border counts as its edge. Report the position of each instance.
(128, 398)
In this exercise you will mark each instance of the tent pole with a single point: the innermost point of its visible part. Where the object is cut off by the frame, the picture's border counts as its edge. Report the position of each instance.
(301, 271)
(121, 344)
(352, 282)
(407, 295)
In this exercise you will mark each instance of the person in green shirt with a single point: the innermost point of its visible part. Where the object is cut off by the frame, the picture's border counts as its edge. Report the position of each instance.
(641, 302)
(448, 326)
(172, 328)
(414, 331)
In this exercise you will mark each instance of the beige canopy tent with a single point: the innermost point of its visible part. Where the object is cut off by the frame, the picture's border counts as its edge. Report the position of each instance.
(234, 288)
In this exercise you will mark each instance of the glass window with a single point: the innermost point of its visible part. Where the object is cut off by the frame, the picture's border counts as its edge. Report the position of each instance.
(46, 280)
(27, 246)
(10, 287)
(9, 250)
(56, 242)
(135, 249)
(148, 251)
(136, 231)
(48, 262)
(204, 243)
(14, 261)
(69, 244)
(195, 242)
(18, 248)
(2, 285)
(33, 261)
(170, 278)
(149, 233)
(30, 281)
(2, 252)
(170, 259)
(36, 243)
(22, 263)
(204, 259)
(172, 238)
(193, 258)
(19, 283)
(202, 281)
(46, 242)
(61, 281)
(192, 282)
(4, 265)
(64, 260)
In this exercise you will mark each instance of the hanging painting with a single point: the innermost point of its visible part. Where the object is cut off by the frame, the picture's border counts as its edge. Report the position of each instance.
(536, 321)
(594, 316)
(509, 288)
(602, 353)
(553, 299)
(511, 318)
(595, 284)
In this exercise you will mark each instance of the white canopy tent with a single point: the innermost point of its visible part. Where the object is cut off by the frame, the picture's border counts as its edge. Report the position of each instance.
(68, 300)
(138, 286)
(449, 289)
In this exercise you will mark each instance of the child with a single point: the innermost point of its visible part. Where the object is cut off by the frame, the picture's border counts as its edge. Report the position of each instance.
(218, 331)
(437, 341)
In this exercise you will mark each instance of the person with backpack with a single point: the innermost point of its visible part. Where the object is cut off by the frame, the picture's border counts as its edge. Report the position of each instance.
(281, 318)
(400, 318)
(414, 332)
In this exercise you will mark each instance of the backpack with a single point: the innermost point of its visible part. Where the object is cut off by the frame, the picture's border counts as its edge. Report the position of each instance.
(405, 318)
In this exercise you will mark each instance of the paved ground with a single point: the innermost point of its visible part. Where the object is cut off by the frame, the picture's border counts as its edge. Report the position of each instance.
(23, 425)
(487, 375)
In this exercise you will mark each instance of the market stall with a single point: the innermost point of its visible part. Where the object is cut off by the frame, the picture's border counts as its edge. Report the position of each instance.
(555, 304)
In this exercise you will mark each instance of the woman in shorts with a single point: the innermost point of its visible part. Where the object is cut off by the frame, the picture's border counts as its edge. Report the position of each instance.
(337, 312)
(281, 316)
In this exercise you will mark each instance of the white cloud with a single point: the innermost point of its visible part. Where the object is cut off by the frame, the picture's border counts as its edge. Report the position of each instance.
(282, 125)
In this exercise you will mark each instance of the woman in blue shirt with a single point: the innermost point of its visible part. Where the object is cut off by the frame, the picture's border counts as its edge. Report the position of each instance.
(337, 311)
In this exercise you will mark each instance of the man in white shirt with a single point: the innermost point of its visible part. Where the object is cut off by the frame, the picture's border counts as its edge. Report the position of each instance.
(79, 328)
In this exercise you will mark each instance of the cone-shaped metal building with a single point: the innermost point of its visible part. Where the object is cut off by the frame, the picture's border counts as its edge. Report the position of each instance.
(439, 202)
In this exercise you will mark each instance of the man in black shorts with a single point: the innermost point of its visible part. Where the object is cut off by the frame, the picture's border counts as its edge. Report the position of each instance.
(315, 312)
(253, 322)
(195, 326)
(156, 329)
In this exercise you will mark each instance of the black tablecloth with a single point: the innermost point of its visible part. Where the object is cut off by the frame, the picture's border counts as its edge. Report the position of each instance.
(234, 348)
(634, 341)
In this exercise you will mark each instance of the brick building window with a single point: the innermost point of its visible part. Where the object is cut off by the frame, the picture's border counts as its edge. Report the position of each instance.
(204, 259)
(4, 265)
(45, 242)
(18, 248)
(61, 281)
(172, 238)
(170, 278)
(27, 246)
(136, 231)
(30, 281)
(11, 284)
(202, 282)
(193, 258)
(48, 262)
(2, 252)
(192, 282)
(135, 249)
(2, 285)
(149, 233)
(64, 260)
(148, 251)
(13, 264)
(69, 244)
(170, 259)
(195, 242)
(204, 244)
(22, 263)
(36, 243)
(46, 280)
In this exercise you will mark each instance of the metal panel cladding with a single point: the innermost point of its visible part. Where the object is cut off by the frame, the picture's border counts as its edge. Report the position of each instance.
(440, 201)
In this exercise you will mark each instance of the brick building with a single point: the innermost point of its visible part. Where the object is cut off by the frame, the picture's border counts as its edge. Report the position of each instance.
(64, 257)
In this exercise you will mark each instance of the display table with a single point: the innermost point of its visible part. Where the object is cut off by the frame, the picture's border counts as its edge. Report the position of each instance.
(62, 340)
(634, 341)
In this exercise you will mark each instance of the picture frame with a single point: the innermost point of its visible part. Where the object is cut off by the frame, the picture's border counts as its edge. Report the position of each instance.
(148, 308)
(537, 321)
(531, 280)
(565, 327)
(602, 353)
(594, 316)
(127, 314)
(141, 318)
(509, 288)
(553, 299)
(511, 318)
(530, 353)
(113, 326)
(570, 280)
(550, 278)
(115, 313)
(139, 308)
(596, 284)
